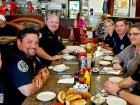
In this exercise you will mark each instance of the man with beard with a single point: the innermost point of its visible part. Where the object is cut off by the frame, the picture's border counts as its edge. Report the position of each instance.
(24, 74)
(50, 43)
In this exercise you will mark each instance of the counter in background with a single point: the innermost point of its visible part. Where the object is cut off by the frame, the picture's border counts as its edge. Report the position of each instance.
(65, 24)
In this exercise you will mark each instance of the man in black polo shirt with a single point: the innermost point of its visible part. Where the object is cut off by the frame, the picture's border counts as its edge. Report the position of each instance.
(24, 74)
(50, 43)
(117, 89)
(121, 40)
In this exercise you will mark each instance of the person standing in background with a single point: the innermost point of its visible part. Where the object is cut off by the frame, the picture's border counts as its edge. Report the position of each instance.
(13, 7)
(100, 27)
(79, 22)
(105, 9)
(30, 7)
(3, 8)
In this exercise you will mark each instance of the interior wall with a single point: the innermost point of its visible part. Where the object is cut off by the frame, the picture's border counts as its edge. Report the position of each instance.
(96, 5)
(137, 8)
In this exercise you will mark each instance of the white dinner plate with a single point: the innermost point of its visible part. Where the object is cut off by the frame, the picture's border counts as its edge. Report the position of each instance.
(113, 100)
(107, 52)
(46, 96)
(115, 79)
(108, 58)
(60, 68)
(98, 53)
(105, 63)
(68, 57)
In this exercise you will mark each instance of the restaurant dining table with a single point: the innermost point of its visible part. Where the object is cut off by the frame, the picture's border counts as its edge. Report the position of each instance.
(97, 82)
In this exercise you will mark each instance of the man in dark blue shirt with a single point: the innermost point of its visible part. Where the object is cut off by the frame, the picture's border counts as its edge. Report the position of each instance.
(24, 74)
(121, 41)
(50, 44)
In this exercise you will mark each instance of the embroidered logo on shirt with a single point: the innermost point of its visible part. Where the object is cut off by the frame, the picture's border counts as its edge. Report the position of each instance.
(22, 66)
(122, 47)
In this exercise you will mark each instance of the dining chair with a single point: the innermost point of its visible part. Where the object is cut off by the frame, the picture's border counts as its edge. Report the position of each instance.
(76, 32)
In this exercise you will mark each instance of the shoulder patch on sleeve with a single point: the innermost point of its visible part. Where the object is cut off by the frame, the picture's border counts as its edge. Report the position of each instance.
(22, 66)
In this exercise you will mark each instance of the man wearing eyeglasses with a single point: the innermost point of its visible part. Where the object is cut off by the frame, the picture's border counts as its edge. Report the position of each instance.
(128, 59)
(117, 89)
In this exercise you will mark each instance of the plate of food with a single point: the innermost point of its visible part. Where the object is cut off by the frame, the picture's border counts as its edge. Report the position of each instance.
(46, 96)
(98, 99)
(105, 63)
(113, 100)
(115, 79)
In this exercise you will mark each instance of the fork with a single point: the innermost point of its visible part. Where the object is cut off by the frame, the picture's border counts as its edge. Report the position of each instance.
(104, 94)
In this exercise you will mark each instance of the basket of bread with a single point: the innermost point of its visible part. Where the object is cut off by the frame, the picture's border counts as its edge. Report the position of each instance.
(71, 97)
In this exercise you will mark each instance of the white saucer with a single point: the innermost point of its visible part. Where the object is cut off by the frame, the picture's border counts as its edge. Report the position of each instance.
(68, 57)
(60, 68)
(46, 96)
(113, 100)
(105, 63)
(108, 58)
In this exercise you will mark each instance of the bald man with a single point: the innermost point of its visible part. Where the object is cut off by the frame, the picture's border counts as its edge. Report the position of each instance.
(50, 44)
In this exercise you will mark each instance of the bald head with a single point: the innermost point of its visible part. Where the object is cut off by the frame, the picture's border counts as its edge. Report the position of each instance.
(53, 22)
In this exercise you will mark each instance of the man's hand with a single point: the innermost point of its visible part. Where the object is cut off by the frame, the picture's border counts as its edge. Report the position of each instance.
(117, 66)
(45, 74)
(38, 80)
(111, 87)
(56, 57)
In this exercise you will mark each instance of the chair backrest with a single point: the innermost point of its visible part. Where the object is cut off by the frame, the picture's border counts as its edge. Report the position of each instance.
(17, 26)
(64, 32)
(76, 32)
(28, 22)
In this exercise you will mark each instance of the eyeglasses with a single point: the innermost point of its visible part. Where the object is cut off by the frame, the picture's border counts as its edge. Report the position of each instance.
(135, 34)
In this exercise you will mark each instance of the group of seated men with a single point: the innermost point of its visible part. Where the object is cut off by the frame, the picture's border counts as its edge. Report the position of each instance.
(25, 64)
(25, 70)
